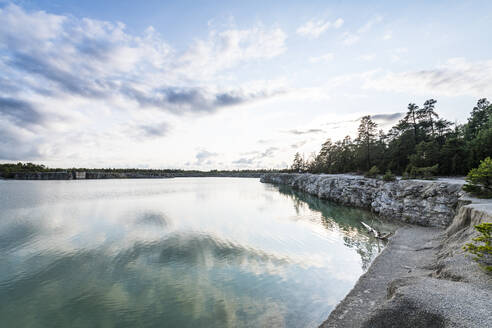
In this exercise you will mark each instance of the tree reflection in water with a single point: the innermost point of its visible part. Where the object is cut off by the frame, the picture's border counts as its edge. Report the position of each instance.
(346, 220)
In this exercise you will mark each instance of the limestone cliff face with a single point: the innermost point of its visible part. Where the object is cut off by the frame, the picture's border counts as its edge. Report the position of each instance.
(426, 203)
(452, 262)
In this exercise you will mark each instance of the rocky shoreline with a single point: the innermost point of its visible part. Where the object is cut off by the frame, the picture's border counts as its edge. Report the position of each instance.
(422, 202)
(422, 278)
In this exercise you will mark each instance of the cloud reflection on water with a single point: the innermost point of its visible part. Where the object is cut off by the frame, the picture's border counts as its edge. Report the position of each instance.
(244, 255)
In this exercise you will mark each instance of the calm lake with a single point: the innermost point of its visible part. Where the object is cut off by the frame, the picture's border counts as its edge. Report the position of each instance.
(184, 252)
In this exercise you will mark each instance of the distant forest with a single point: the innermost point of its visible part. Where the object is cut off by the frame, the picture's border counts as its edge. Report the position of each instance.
(421, 143)
(8, 170)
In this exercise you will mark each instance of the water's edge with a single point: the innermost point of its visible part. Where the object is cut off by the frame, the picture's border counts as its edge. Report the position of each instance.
(422, 278)
(426, 203)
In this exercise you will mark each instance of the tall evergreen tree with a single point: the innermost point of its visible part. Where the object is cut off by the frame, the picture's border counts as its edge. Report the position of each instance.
(427, 114)
(478, 118)
(366, 139)
(298, 164)
(411, 119)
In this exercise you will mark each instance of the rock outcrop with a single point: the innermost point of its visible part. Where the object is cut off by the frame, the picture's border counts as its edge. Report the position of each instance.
(423, 278)
(426, 203)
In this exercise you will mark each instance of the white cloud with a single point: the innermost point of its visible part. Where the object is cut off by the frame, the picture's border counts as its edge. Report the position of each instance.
(388, 35)
(255, 158)
(368, 26)
(397, 54)
(204, 155)
(223, 50)
(323, 58)
(351, 38)
(35, 28)
(62, 74)
(456, 77)
(338, 23)
(367, 57)
(314, 28)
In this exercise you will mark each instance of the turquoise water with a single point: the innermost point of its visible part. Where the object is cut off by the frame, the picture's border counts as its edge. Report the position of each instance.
(187, 252)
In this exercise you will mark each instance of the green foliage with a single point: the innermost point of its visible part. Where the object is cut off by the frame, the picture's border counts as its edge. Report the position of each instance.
(427, 173)
(389, 176)
(8, 170)
(299, 164)
(426, 154)
(366, 140)
(420, 145)
(373, 172)
(479, 180)
(482, 246)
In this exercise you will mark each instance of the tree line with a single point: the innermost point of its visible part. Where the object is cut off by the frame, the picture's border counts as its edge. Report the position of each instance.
(421, 143)
(8, 170)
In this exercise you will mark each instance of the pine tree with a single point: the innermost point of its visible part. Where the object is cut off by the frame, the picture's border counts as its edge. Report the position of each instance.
(427, 114)
(366, 138)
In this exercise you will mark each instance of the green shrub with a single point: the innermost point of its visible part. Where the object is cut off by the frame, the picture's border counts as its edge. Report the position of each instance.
(405, 176)
(389, 176)
(373, 172)
(479, 180)
(483, 253)
(427, 173)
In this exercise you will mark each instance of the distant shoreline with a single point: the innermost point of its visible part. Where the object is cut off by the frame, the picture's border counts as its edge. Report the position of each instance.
(72, 175)
(31, 171)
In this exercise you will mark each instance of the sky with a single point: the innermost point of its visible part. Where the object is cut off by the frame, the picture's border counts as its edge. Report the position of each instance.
(226, 85)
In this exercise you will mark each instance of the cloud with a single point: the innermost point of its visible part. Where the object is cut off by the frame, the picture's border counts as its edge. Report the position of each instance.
(243, 161)
(269, 152)
(154, 130)
(223, 50)
(204, 156)
(19, 111)
(179, 100)
(314, 28)
(367, 57)
(298, 144)
(396, 54)
(351, 38)
(301, 132)
(257, 154)
(368, 26)
(383, 119)
(338, 23)
(20, 29)
(17, 144)
(323, 58)
(60, 66)
(256, 157)
(60, 80)
(264, 141)
(388, 35)
(98, 59)
(456, 77)
(387, 118)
